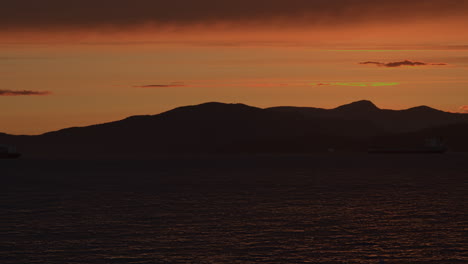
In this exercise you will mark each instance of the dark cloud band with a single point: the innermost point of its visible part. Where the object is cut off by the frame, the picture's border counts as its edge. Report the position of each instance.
(50, 14)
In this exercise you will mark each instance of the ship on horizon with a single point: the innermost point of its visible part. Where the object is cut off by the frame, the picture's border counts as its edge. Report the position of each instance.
(432, 146)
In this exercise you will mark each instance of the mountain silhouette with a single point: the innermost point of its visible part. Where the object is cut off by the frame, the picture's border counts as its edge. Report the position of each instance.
(424, 109)
(238, 128)
(392, 121)
(363, 106)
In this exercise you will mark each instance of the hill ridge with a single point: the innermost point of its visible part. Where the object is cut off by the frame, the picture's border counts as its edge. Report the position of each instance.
(237, 128)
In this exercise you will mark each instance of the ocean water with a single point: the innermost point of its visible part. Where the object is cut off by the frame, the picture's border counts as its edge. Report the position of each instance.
(238, 209)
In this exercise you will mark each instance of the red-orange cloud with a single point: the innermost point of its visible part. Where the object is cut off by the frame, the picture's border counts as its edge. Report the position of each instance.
(402, 63)
(23, 93)
(464, 109)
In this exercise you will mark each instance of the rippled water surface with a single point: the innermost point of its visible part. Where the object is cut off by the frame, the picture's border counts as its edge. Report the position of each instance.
(266, 209)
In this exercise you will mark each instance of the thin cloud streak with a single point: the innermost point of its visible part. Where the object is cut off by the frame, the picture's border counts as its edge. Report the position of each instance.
(21, 58)
(198, 84)
(175, 84)
(402, 63)
(464, 109)
(23, 93)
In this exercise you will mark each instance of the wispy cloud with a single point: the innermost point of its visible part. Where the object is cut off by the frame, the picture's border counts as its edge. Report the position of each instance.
(402, 63)
(356, 84)
(166, 85)
(21, 58)
(23, 93)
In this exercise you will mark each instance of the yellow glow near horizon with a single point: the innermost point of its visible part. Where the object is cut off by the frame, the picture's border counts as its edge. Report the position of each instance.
(359, 84)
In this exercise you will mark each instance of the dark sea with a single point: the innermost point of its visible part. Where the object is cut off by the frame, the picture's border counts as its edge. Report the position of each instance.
(335, 208)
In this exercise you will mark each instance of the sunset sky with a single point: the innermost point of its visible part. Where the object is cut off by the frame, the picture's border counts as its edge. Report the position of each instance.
(77, 63)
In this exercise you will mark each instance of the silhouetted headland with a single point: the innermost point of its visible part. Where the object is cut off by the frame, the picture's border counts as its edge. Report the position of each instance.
(237, 128)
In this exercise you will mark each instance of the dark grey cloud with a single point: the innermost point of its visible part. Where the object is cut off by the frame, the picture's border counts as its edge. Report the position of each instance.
(63, 14)
(168, 85)
(402, 63)
(23, 93)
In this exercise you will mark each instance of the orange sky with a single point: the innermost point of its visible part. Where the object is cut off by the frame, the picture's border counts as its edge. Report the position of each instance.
(58, 72)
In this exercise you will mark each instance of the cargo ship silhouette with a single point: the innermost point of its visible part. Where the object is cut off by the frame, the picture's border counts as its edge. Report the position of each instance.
(433, 145)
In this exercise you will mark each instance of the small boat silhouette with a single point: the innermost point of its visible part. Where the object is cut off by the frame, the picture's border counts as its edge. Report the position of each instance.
(8, 152)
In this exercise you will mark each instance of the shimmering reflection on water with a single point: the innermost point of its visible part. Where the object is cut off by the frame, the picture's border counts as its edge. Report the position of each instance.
(239, 210)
